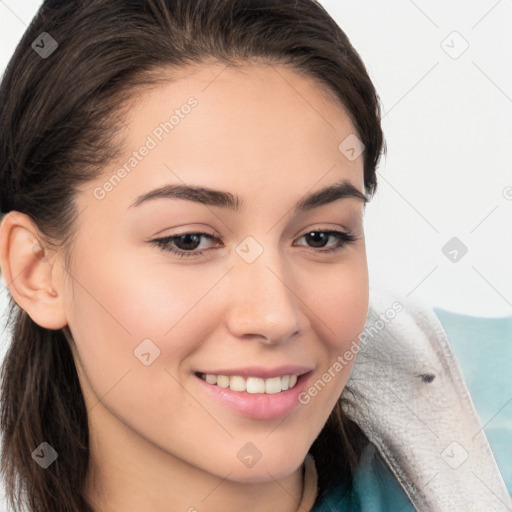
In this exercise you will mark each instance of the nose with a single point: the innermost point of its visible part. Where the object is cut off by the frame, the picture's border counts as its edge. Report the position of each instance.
(263, 303)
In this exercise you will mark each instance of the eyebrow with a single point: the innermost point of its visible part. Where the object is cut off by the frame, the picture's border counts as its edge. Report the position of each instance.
(211, 197)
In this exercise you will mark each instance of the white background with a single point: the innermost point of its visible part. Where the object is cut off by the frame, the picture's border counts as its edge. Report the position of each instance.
(448, 125)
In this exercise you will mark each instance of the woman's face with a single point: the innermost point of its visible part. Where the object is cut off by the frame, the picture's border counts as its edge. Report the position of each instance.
(259, 290)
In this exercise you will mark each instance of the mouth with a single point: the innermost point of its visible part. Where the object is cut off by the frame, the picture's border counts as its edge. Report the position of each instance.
(253, 385)
(267, 395)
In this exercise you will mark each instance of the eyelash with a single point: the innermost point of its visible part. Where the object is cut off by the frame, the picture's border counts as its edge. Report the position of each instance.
(344, 238)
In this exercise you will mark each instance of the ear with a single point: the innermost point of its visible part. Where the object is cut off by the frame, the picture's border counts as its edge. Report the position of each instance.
(30, 276)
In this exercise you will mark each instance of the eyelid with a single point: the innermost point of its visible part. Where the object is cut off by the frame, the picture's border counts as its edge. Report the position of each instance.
(188, 231)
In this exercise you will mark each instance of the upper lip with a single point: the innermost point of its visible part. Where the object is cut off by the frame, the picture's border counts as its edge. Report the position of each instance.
(259, 371)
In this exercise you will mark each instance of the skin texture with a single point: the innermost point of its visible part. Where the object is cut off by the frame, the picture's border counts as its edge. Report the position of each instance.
(158, 441)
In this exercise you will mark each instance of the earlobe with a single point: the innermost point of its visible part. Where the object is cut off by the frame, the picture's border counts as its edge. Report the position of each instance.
(28, 272)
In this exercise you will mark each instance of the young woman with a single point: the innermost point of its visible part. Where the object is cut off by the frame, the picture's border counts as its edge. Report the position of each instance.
(183, 185)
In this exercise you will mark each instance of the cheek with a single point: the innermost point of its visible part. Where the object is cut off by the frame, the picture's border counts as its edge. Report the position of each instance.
(140, 298)
(124, 312)
(343, 304)
(338, 297)
(125, 301)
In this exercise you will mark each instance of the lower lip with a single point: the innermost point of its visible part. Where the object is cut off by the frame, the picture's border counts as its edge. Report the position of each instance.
(260, 406)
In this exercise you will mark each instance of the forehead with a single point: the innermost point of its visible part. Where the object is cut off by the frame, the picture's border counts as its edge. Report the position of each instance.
(252, 100)
(245, 129)
(255, 77)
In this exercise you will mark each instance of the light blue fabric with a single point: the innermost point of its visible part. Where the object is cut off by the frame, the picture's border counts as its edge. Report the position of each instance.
(483, 348)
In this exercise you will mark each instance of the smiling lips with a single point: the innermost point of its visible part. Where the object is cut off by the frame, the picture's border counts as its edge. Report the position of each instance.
(269, 386)
(256, 392)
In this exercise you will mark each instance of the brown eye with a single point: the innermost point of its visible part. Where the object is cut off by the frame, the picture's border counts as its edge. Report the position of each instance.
(319, 239)
(185, 244)
(188, 242)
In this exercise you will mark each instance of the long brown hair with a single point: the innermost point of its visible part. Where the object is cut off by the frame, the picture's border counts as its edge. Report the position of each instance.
(59, 115)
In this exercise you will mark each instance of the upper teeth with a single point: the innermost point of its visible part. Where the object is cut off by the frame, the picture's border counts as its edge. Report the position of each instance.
(252, 384)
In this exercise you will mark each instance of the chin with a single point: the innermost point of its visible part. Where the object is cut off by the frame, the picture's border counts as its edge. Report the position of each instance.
(274, 468)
